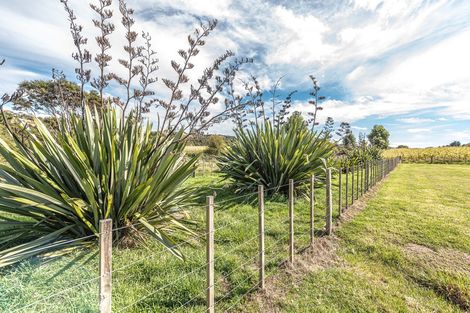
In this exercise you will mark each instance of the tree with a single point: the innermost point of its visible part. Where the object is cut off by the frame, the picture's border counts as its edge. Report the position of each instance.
(455, 144)
(402, 147)
(362, 142)
(52, 97)
(349, 141)
(378, 137)
(346, 136)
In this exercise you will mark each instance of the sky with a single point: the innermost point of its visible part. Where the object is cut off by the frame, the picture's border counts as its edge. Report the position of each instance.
(401, 63)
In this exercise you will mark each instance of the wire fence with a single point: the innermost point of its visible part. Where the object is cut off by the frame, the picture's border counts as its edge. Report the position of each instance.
(233, 263)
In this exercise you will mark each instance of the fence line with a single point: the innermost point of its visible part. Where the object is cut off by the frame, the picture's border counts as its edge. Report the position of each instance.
(363, 176)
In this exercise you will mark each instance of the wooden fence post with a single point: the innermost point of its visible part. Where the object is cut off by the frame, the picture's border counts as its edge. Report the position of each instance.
(106, 252)
(383, 169)
(374, 180)
(291, 221)
(371, 173)
(366, 174)
(372, 169)
(329, 203)
(352, 184)
(364, 178)
(312, 208)
(261, 235)
(358, 180)
(340, 191)
(367, 169)
(376, 171)
(210, 253)
(347, 185)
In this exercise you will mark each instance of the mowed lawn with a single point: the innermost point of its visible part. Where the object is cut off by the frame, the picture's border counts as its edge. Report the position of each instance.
(407, 251)
(150, 279)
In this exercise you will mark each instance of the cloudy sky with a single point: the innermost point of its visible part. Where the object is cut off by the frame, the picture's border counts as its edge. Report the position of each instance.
(401, 63)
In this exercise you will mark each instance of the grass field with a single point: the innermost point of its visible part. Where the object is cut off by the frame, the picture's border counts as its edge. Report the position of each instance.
(407, 251)
(156, 281)
(196, 149)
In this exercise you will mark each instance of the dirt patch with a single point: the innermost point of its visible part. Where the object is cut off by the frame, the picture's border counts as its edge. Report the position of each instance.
(320, 256)
(317, 257)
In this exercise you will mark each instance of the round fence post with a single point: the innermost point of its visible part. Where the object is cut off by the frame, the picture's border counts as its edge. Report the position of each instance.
(210, 253)
(291, 221)
(106, 252)
(367, 175)
(360, 180)
(352, 184)
(340, 191)
(329, 203)
(312, 208)
(347, 187)
(261, 235)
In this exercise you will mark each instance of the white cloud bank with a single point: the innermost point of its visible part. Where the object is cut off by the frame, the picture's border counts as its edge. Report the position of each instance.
(386, 58)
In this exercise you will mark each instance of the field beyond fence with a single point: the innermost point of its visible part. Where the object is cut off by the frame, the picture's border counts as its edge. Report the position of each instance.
(243, 247)
(439, 155)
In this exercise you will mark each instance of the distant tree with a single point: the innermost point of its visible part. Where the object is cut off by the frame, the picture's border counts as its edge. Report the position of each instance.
(329, 127)
(349, 141)
(379, 137)
(402, 147)
(362, 142)
(455, 144)
(347, 138)
(52, 97)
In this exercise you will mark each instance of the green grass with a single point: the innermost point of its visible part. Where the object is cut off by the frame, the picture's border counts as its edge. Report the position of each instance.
(420, 204)
(153, 279)
(408, 251)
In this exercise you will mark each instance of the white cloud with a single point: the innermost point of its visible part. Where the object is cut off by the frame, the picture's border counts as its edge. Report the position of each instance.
(359, 128)
(300, 39)
(415, 120)
(386, 57)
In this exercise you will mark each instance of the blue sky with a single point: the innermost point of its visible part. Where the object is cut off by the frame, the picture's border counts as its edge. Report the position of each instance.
(401, 63)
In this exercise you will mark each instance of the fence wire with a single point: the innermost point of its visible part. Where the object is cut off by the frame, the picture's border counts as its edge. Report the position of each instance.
(360, 181)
